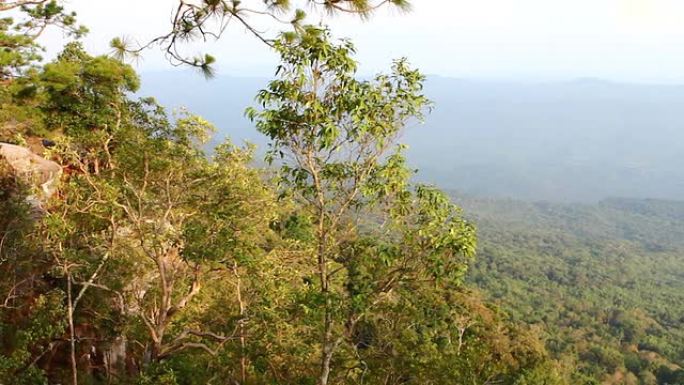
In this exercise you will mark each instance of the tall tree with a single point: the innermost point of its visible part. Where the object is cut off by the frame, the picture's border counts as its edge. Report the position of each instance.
(22, 22)
(18, 39)
(335, 137)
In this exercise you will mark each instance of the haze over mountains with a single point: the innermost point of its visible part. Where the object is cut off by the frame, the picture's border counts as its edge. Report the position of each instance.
(581, 140)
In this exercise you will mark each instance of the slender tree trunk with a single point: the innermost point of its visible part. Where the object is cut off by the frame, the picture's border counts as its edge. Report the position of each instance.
(327, 338)
(328, 349)
(243, 357)
(72, 334)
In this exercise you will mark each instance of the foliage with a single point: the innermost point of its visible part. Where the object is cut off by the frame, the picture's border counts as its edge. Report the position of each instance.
(377, 243)
(31, 315)
(603, 281)
(209, 19)
(18, 46)
(85, 93)
(159, 263)
(19, 58)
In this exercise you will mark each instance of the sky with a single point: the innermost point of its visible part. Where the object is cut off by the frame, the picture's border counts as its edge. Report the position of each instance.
(538, 40)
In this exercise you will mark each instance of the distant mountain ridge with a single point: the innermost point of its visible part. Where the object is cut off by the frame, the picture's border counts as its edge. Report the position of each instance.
(577, 141)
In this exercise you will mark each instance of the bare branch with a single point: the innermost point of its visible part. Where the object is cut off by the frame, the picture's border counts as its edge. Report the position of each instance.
(5, 6)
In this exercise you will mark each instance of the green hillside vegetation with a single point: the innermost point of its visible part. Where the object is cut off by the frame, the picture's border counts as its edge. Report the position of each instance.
(129, 254)
(604, 282)
(149, 261)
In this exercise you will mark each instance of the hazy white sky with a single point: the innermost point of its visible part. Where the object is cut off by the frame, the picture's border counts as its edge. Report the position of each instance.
(628, 40)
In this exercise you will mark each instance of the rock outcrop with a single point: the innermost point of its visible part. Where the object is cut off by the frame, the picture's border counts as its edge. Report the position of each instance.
(32, 169)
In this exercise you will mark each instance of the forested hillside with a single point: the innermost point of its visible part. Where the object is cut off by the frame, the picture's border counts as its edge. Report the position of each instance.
(131, 255)
(604, 282)
(141, 245)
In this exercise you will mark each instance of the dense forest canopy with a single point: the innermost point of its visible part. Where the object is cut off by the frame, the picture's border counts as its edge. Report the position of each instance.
(603, 281)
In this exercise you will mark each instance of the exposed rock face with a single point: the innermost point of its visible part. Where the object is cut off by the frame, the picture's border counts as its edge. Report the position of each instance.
(32, 169)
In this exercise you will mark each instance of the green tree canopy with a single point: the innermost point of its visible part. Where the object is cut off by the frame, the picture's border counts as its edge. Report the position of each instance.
(372, 233)
(19, 48)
